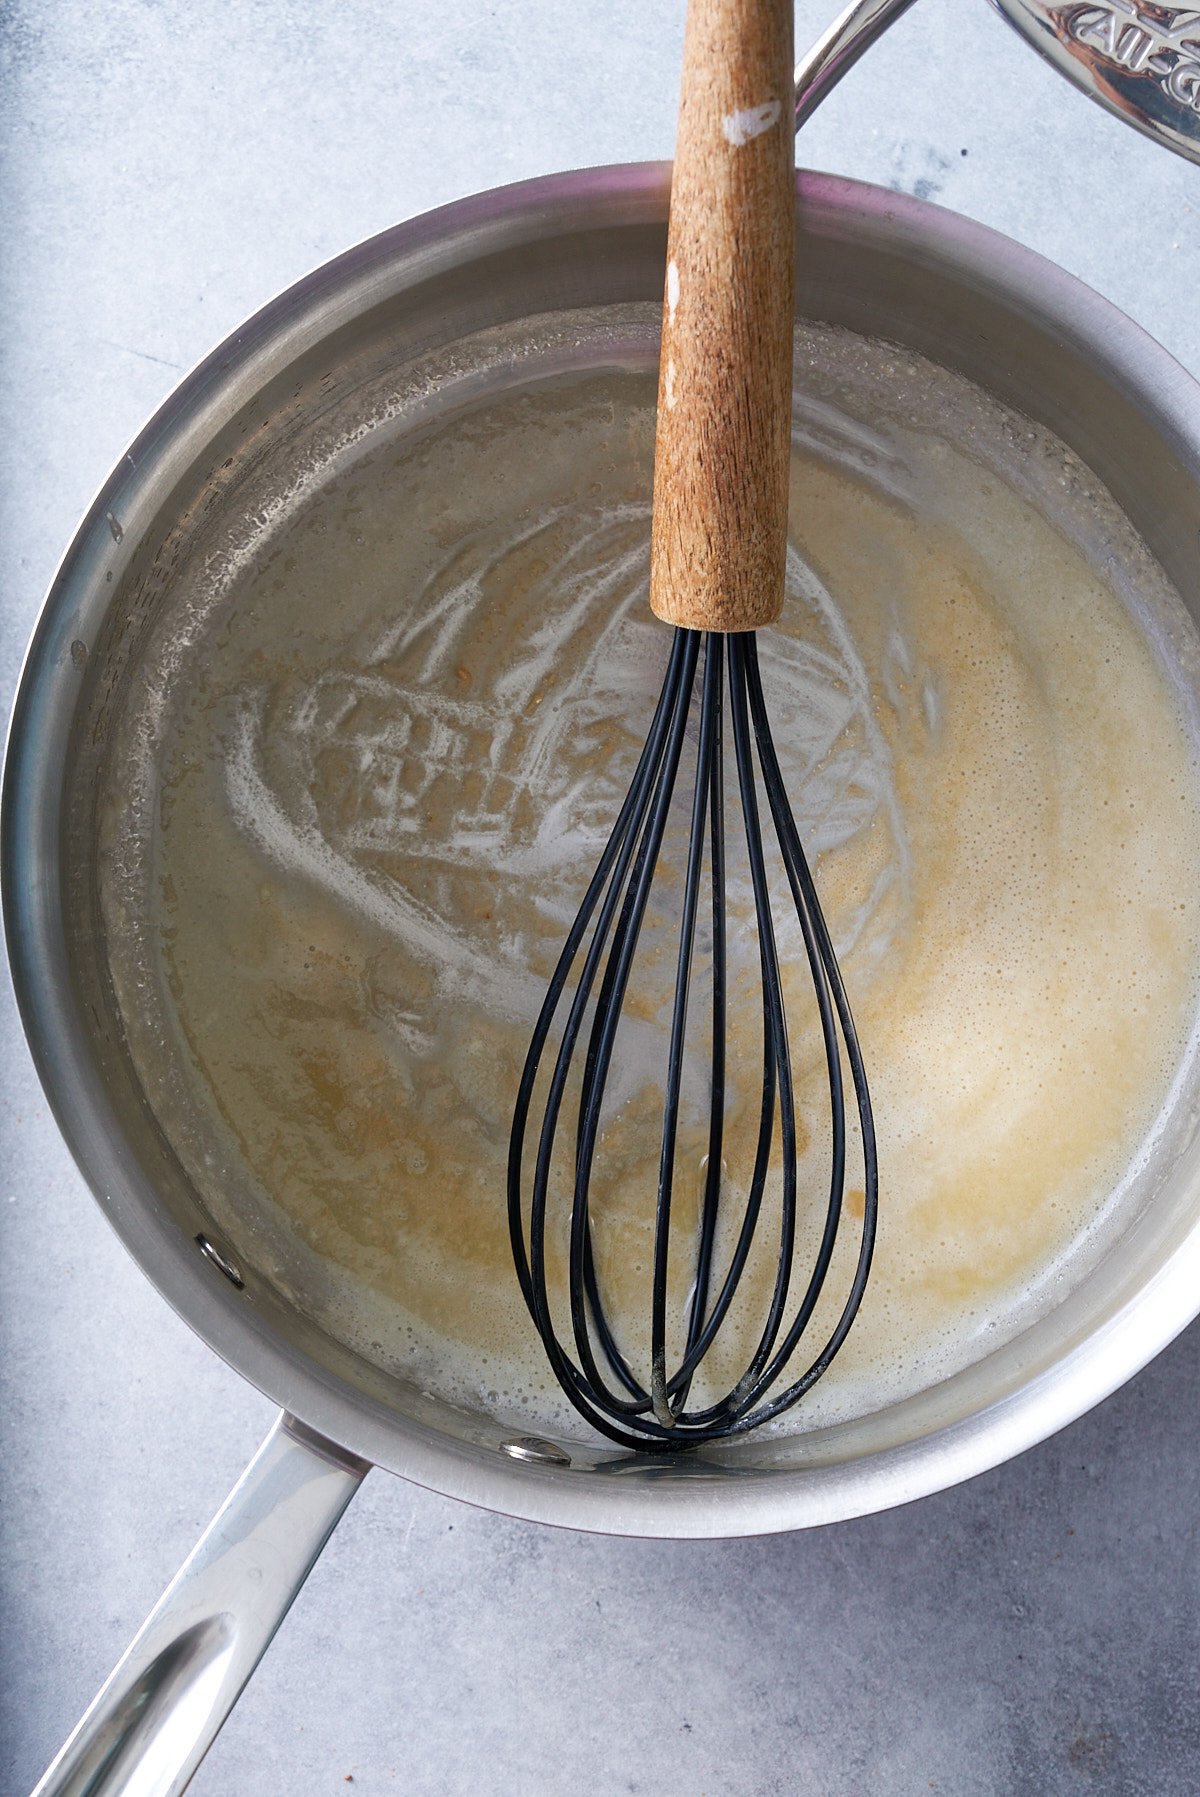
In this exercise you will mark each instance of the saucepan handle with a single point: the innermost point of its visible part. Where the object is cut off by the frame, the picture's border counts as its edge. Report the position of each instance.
(156, 1717)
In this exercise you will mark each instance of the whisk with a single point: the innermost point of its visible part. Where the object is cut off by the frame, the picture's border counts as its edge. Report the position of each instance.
(719, 542)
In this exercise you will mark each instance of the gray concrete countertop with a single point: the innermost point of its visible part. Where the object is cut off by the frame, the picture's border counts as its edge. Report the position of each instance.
(165, 169)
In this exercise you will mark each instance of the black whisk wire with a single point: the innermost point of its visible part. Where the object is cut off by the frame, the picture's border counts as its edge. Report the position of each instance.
(598, 1376)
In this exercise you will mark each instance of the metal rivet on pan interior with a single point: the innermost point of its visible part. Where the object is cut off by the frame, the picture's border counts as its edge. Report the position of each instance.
(542, 1453)
(219, 1260)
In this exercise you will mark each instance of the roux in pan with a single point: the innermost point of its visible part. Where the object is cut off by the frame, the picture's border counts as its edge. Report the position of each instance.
(390, 751)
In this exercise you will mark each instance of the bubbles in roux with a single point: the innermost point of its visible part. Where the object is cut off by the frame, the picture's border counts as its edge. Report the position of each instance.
(372, 783)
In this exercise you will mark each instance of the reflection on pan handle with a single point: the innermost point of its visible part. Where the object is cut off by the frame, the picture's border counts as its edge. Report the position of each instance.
(838, 49)
(156, 1717)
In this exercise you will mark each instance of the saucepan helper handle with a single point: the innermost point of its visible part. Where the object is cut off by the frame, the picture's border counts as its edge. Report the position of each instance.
(156, 1717)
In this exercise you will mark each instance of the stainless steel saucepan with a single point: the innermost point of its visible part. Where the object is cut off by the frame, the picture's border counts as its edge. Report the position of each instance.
(869, 261)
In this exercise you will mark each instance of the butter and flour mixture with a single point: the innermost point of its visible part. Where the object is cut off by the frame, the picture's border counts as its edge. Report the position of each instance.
(356, 801)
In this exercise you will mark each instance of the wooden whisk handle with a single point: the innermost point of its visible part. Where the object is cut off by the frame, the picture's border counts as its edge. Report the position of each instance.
(725, 381)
